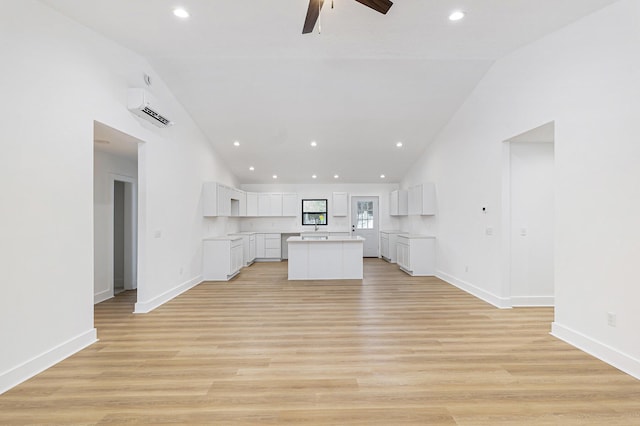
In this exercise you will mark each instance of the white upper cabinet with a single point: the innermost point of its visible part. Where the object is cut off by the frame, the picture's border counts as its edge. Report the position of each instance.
(252, 204)
(399, 202)
(422, 199)
(340, 204)
(264, 204)
(210, 199)
(289, 204)
(276, 205)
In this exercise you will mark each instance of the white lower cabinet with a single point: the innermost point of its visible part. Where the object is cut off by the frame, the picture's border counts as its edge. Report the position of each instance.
(222, 258)
(415, 254)
(388, 242)
(268, 247)
(248, 247)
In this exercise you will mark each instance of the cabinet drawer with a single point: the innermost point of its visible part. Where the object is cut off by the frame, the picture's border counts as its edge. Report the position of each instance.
(270, 243)
(272, 253)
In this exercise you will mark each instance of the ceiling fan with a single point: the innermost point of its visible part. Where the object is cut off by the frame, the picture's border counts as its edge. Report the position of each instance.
(313, 11)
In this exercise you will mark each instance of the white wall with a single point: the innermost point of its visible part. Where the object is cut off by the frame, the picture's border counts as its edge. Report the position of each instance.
(531, 223)
(321, 191)
(585, 78)
(104, 167)
(57, 78)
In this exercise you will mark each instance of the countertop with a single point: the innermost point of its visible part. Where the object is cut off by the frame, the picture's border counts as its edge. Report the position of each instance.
(324, 239)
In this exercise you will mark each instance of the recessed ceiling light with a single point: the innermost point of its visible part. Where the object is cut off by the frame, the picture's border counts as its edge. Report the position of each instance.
(252, 168)
(236, 143)
(382, 176)
(456, 15)
(313, 176)
(275, 176)
(336, 176)
(314, 143)
(181, 13)
(399, 144)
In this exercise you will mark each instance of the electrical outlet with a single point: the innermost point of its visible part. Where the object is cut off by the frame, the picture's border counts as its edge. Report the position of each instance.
(611, 319)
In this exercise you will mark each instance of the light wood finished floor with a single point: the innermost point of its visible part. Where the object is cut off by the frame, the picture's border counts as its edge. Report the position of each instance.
(390, 350)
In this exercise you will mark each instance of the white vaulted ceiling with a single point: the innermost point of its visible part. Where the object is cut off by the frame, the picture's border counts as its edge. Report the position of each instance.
(244, 72)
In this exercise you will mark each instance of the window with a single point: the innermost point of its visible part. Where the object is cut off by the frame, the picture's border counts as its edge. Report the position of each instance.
(314, 212)
(364, 220)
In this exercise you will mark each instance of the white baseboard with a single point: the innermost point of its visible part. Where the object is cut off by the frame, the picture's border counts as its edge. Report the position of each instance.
(102, 296)
(606, 353)
(497, 301)
(150, 305)
(532, 301)
(38, 364)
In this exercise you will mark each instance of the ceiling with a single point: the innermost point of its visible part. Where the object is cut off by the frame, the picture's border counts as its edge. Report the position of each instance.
(245, 73)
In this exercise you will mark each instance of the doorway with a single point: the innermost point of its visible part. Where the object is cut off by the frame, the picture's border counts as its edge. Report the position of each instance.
(529, 218)
(116, 205)
(124, 236)
(364, 223)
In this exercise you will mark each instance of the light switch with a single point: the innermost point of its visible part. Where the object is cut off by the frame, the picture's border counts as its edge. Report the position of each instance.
(523, 232)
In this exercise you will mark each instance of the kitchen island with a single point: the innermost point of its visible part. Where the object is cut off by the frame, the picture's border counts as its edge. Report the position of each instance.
(325, 258)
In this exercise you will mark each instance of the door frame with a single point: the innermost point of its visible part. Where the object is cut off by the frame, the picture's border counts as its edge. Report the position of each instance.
(131, 282)
(376, 221)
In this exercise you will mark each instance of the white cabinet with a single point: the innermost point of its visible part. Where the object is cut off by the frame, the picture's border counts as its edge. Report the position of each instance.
(221, 258)
(252, 204)
(340, 204)
(248, 247)
(260, 246)
(269, 204)
(399, 202)
(268, 247)
(221, 200)
(422, 199)
(289, 204)
(416, 254)
(276, 204)
(264, 204)
(210, 199)
(388, 242)
(384, 246)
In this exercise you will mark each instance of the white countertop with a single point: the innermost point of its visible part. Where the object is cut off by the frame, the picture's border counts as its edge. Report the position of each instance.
(415, 236)
(324, 239)
(223, 238)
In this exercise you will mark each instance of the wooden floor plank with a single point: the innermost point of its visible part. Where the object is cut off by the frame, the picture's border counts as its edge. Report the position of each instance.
(262, 350)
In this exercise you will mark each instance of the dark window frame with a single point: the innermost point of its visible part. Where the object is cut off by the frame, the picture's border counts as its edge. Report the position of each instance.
(325, 212)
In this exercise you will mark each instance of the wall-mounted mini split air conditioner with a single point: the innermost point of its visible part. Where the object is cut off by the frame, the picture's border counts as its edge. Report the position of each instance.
(141, 103)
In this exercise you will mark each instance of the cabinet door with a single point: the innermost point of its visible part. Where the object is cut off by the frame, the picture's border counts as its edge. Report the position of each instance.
(236, 256)
(252, 248)
(260, 246)
(252, 204)
(210, 199)
(224, 201)
(384, 246)
(276, 204)
(264, 205)
(289, 204)
(340, 204)
(393, 203)
(428, 206)
(415, 200)
(243, 203)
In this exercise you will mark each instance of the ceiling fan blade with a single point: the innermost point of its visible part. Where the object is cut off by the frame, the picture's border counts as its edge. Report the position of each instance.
(381, 6)
(312, 15)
